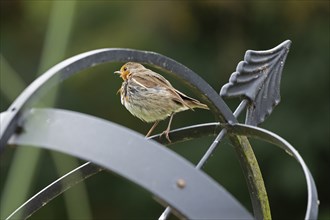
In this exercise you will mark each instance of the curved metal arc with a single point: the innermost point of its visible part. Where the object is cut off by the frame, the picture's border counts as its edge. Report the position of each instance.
(183, 134)
(189, 133)
(88, 169)
(35, 90)
(131, 156)
(85, 60)
(268, 136)
(54, 189)
(205, 92)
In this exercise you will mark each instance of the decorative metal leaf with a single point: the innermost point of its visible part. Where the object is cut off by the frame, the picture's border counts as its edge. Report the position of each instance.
(257, 78)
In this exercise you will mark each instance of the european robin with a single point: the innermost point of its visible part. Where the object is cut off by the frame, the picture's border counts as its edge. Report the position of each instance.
(150, 97)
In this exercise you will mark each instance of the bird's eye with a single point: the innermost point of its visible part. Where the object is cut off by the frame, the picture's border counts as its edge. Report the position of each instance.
(125, 68)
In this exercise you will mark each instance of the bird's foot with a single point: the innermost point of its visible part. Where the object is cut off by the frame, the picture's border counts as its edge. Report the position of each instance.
(166, 133)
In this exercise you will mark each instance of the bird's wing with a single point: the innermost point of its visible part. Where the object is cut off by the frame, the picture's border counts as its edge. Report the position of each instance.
(150, 79)
(180, 97)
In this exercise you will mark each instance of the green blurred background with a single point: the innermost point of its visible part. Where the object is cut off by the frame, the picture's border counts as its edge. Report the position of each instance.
(210, 37)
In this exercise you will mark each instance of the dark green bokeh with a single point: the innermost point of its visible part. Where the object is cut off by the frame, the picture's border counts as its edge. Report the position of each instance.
(210, 38)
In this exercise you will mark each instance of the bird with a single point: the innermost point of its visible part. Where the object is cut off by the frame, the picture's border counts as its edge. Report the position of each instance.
(150, 97)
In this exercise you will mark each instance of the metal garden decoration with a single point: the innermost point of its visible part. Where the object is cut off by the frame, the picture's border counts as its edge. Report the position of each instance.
(256, 81)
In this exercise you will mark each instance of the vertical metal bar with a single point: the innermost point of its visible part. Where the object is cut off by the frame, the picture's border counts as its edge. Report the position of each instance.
(210, 150)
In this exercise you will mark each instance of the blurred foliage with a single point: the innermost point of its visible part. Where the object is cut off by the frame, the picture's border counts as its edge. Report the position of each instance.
(210, 37)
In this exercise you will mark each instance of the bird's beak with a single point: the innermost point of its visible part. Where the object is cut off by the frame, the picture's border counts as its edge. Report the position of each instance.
(117, 72)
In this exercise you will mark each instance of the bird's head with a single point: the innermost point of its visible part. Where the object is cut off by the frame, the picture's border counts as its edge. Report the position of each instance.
(129, 68)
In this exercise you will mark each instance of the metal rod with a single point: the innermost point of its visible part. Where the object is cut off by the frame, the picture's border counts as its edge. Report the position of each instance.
(209, 151)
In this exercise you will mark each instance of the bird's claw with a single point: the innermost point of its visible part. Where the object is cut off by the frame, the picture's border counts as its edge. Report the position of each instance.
(166, 133)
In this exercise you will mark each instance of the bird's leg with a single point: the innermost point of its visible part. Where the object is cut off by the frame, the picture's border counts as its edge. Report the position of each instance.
(167, 131)
(152, 128)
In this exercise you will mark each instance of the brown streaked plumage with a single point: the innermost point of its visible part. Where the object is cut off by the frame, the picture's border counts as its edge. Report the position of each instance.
(150, 97)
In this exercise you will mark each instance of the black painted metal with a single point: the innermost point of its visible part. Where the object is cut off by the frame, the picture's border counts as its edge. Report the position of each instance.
(70, 66)
(88, 169)
(258, 79)
(265, 135)
(178, 135)
(82, 61)
(56, 188)
(260, 69)
(123, 151)
(209, 152)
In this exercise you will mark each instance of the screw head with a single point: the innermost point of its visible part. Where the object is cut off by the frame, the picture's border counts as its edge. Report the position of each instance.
(181, 183)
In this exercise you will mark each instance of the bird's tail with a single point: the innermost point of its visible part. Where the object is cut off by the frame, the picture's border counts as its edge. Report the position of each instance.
(197, 104)
(191, 102)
